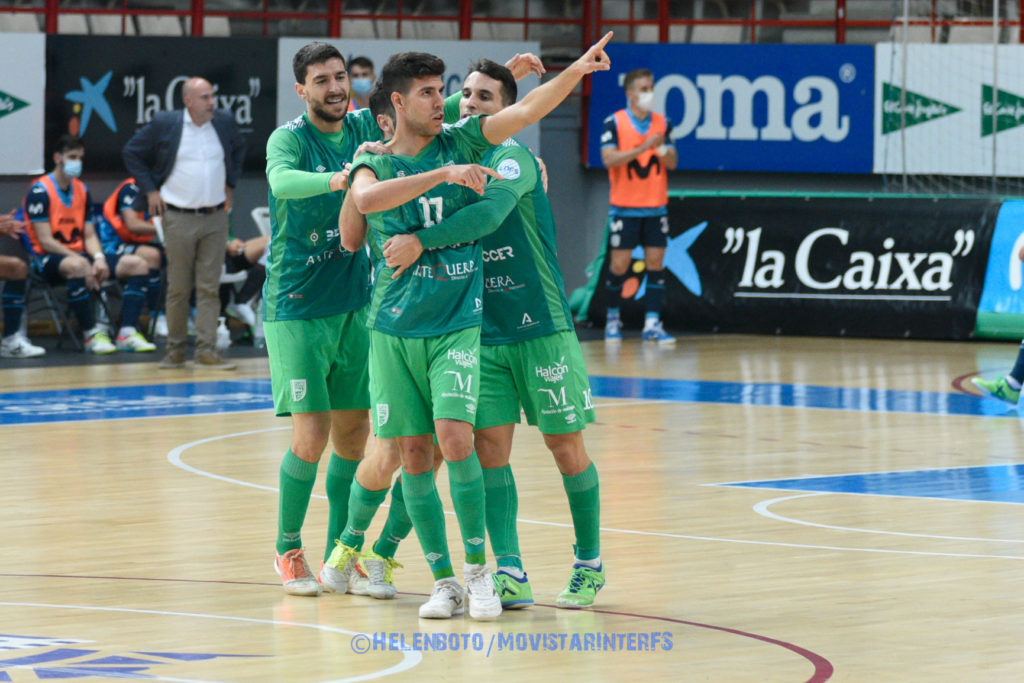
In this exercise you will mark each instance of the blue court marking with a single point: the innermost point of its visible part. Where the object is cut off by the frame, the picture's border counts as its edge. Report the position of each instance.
(230, 396)
(777, 395)
(992, 483)
(151, 400)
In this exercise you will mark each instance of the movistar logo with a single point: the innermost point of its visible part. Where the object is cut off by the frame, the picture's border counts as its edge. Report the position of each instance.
(10, 104)
(643, 171)
(1009, 110)
(917, 109)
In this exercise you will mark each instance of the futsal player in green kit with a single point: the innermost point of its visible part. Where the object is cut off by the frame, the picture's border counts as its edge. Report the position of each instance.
(315, 300)
(530, 355)
(424, 350)
(315, 312)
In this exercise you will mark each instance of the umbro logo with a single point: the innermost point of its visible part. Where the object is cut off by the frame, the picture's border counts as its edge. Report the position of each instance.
(433, 557)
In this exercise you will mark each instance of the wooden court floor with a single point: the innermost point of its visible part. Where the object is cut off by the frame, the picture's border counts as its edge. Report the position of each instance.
(141, 547)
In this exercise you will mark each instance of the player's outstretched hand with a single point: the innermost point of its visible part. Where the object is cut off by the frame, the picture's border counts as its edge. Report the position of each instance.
(400, 252)
(596, 59)
(473, 176)
(522, 65)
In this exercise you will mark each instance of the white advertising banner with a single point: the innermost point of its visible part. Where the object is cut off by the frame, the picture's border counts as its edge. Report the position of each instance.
(22, 86)
(938, 116)
(457, 56)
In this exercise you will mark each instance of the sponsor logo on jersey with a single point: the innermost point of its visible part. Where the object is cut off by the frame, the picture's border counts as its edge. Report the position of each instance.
(298, 389)
(509, 169)
(499, 254)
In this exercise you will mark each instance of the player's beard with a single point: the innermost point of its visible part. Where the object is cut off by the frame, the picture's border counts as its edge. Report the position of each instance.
(321, 112)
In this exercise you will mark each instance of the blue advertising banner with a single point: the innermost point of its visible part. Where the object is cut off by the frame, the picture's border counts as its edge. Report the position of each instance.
(1001, 308)
(805, 108)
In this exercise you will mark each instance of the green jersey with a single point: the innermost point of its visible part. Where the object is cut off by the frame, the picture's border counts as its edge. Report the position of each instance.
(443, 291)
(309, 274)
(524, 293)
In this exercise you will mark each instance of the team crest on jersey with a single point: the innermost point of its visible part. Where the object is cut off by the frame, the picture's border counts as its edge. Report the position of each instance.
(383, 413)
(509, 169)
(298, 389)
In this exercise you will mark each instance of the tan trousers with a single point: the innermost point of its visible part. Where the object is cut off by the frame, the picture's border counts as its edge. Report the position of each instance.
(195, 246)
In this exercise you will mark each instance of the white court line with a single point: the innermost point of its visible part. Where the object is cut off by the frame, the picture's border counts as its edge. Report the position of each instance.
(762, 509)
(410, 658)
(174, 457)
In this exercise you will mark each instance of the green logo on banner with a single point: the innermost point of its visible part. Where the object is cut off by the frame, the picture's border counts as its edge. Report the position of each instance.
(919, 109)
(10, 104)
(1010, 112)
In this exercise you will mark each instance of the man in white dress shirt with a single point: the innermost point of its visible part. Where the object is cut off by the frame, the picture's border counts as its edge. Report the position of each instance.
(186, 164)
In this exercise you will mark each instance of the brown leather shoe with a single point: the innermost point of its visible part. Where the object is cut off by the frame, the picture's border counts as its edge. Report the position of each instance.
(174, 360)
(211, 360)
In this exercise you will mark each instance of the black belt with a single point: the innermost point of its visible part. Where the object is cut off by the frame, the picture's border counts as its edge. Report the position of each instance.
(200, 211)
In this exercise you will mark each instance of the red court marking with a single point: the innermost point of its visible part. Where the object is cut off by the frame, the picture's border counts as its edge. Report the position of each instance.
(823, 668)
(960, 384)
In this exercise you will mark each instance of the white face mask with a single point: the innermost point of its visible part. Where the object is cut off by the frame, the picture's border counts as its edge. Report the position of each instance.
(73, 168)
(645, 100)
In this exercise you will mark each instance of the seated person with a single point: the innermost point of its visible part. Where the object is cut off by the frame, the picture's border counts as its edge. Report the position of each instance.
(133, 250)
(249, 256)
(63, 240)
(14, 271)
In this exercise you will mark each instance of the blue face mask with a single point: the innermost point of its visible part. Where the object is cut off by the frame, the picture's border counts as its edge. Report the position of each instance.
(362, 86)
(73, 168)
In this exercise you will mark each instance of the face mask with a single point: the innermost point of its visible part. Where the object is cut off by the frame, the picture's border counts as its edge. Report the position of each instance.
(645, 100)
(72, 168)
(362, 86)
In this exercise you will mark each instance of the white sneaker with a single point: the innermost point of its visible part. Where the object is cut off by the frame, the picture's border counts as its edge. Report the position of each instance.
(160, 327)
(18, 346)
(379, 572)
(134, 341)
(446, 600)
(484, 602)
(242, 312)
(338, 572)
(99, 342)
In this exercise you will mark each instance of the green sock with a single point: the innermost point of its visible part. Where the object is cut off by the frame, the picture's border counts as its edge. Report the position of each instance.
(340, 473)
(584, 493)
(397, 526)
(296, 485)
(427, 515)
(502, 505)
(362, 506)
(466, 481)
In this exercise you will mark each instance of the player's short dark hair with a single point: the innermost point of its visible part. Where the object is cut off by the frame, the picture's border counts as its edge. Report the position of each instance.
(500, 73)
(380, 102)
(635, 74)
(362, 61)
(405, 67)
(312, 53)
(68, 143)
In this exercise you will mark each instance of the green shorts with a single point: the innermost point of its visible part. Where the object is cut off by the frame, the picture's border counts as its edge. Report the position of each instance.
(414, 381)
(320, 364)
(546, 375)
